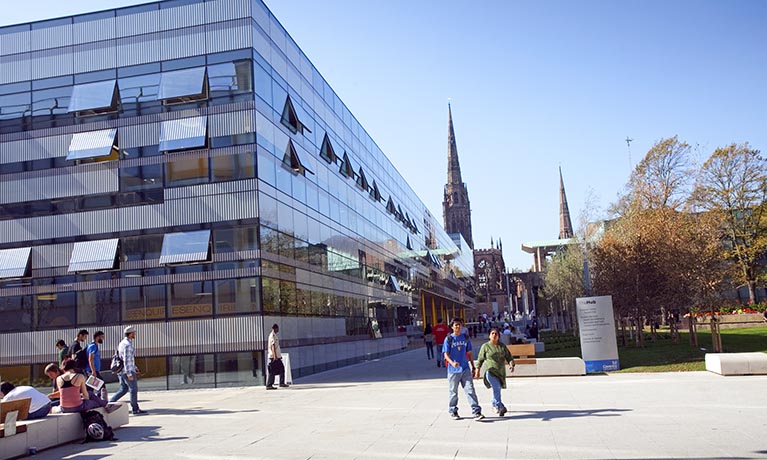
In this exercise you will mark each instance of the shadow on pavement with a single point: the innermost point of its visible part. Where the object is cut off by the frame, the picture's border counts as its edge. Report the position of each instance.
(193, 411)
(132, 433)
(546, 415)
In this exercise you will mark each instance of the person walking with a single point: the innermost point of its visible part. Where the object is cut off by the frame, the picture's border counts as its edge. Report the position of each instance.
(77, 351)
(94, 359)
(495, 355)
(460, 371)
(129, 374)
(63, 349)
(440, 331)
(274, 355)
(428, 339)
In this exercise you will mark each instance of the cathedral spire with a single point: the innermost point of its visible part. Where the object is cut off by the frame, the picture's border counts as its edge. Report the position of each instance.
(565, 225)
(456, 208)
(453, 166)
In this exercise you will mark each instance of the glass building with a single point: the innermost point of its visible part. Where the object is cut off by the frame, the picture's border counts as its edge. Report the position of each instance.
(182, 167)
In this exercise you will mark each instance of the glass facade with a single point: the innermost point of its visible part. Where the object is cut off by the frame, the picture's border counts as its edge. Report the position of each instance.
(196, 177)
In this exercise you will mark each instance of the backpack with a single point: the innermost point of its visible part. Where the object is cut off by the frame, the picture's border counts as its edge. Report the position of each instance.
(117, 364)
(449, 340)
(78, 354)
(94, 423)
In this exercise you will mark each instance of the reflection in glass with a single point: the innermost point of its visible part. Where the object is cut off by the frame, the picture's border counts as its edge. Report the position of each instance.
(239, 369)
(187, 83)
(189, 171)
(15, 313)
(98, 307)
(185, 247)
(232, 167)
(93, 96)
(237, 296)
(191, 299)
(93, 144)
(56, 310)
(93, 255)
(14, 263)
(183, 133)
(143, 303)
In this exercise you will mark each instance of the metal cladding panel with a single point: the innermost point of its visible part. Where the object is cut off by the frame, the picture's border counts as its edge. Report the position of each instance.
(34, 347)
(182, 16)
(15, 68)
(222, 10)
(93, 255)
(139, 135)
(192, 336)
(92, 144)
(215, 188)
(240, 333)
(18, 42)
(50, 37)
(34, 149)
(138, 50)
(215, 208)
(231, 123)
(179, 43)
(52, 62)
(14, 262)
(101, 179)
(95, 56)
(92, 31)
(137, 24)
(230, 35)
(151, 339)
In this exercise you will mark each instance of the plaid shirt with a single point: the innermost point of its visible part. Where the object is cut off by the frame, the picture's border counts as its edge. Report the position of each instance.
(128, 355)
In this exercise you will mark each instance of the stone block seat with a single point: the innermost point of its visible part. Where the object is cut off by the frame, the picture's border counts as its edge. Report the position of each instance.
(737, 363)
(529, 366)
(53, 430)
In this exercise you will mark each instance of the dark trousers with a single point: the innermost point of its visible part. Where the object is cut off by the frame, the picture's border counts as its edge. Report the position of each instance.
(275, 368)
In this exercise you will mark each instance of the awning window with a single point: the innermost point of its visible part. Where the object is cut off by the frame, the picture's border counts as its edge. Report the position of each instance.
(346, 166)
(394, 284)
(99, 96)
(93, 255)
(326, 150)
(93, 144)
(184, 133)
(14, 263)
(293, 162)
(183, 84)
(185, 247)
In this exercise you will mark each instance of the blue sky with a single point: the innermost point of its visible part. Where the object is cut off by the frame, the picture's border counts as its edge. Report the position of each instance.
(534, 85)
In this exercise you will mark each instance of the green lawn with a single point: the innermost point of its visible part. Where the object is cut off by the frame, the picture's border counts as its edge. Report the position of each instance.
(665, 356)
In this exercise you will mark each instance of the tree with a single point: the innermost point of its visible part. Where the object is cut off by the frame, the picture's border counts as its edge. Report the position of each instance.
(564, 279)
(732, 185)
(662, 178)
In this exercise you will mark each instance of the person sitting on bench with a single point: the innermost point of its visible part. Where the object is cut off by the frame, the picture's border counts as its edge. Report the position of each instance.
(39, 407)
(73, 393)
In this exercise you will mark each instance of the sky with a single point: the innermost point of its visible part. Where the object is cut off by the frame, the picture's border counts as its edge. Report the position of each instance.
(534, 86)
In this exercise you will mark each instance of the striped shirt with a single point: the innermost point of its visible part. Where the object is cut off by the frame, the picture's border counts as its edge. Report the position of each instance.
(128, 355)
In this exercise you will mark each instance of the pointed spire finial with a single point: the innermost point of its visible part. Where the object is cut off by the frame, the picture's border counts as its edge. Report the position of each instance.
(565, 225)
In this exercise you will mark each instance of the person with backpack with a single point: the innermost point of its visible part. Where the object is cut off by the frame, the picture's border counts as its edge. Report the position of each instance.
(77, 351)
(129, 374)
(460, 370)
(496, 355)
(440, 331)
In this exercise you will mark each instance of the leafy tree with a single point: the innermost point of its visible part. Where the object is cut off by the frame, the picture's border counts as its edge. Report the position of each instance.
(564, 279)
(732, 185)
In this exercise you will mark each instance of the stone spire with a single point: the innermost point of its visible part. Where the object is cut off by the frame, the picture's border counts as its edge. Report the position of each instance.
(565, 225)
(456, 209)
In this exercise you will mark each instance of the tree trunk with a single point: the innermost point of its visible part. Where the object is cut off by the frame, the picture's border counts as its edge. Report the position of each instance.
(751, 291)
(693, 333)
(623, 331)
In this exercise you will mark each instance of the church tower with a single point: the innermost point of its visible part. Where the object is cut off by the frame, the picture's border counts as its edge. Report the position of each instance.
(565, 225)
(455, 206)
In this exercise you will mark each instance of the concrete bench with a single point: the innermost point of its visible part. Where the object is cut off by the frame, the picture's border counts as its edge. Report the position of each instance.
(529, 366)
(737, 363)
(54, 430)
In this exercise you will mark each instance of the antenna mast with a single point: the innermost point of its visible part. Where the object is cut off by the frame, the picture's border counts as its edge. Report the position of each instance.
(628, 143)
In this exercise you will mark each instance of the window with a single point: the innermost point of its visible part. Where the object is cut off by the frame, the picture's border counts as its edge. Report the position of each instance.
(232, 167)
(93, 255)
(186, 171)
(290, 118)
(183, 85)
(14, 263)
(374, 192)
(141, 177)
(237, 296)
(291, 161)
(184, 133)
(390, 208)
(394, 284)
(185, 247)
(409, 245)
(94, 144)
(326, 151)
(346, 167)
(362, 181)
(99, 97)
(191, 299)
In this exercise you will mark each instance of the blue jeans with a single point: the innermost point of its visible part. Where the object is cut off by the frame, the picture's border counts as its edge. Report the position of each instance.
(127, 385)
(39, 413)
(495, 384)
(429, 350)
(465, 380)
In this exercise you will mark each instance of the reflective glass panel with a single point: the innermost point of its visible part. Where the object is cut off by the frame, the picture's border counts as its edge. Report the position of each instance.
(188, 171)
(180, 83)
(92, 144)
(93, 255)
(14, 263)
(183, 133)
(191, 299)
(92, 96)
(185, 247)
(237, 296)
(98, 307)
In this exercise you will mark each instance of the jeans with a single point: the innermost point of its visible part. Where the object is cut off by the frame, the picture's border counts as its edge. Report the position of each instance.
(39, 413)
(127, 385)
(429, 350)
(465, 380)
(495, 384)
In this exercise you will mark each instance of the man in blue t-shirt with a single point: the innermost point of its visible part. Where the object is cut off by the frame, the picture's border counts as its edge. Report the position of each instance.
(456, 350)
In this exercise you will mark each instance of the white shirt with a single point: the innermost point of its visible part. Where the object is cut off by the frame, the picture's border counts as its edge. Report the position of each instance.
(273, 340)
(38, 399)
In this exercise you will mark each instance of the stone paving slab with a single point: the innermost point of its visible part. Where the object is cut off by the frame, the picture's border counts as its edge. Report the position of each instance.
(396, 408)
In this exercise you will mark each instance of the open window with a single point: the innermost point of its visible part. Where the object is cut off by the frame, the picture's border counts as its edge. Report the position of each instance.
(409, 245)
(184, 133)
(291, 160)
(93, 255)
(94, 98)
(326, 150)
(291, 117)
(185, 247)
(98, 145)
(394, 284)
(346, 166)
(390, 208)
(14, 263)
(362, 181)
(374, 192)
(182, 86)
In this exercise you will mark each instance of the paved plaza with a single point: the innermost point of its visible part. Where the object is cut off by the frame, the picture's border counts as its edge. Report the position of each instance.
(395, 408)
